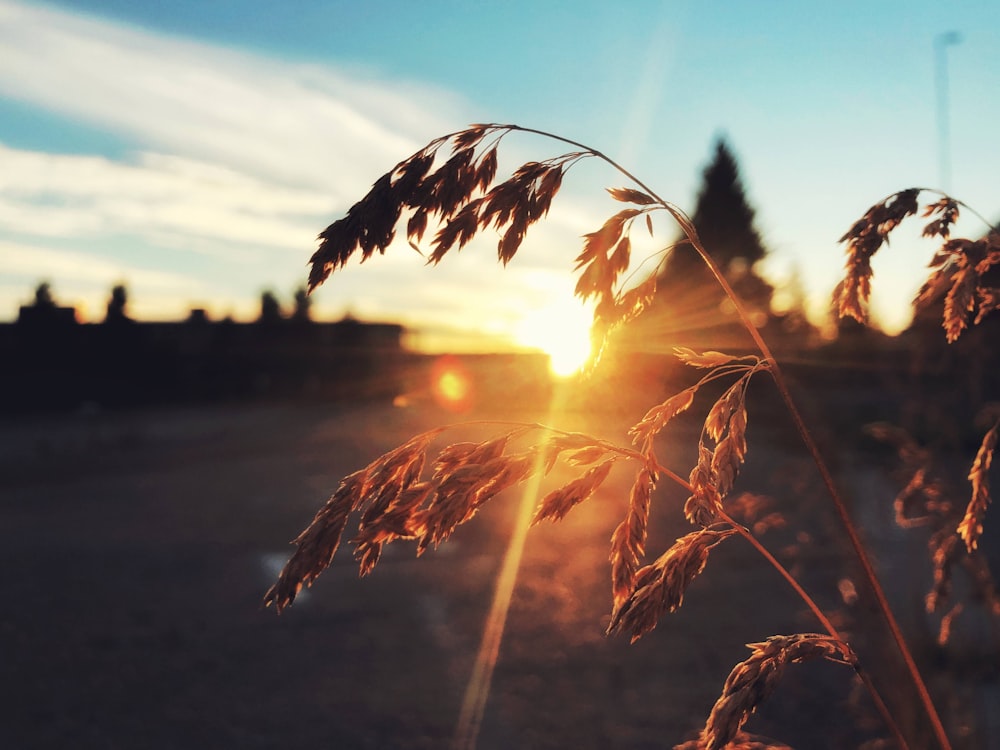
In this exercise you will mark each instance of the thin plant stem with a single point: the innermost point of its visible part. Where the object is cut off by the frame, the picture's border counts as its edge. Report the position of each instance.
(804, 595)
(859, 550)
(880, 704)
(883, 604)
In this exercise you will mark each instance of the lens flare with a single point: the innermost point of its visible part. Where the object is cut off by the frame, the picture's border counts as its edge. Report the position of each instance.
(451, 385)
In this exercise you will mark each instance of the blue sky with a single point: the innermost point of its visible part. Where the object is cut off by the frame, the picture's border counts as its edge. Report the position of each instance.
(194, 149)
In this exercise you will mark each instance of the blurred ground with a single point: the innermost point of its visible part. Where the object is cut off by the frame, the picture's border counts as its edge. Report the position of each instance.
(135, 550)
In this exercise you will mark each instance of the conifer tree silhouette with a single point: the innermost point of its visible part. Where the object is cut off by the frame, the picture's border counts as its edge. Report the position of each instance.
(270, 308)
(724, 220)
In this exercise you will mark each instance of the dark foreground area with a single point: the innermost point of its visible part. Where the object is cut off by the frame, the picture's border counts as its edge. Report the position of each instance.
(135, 551)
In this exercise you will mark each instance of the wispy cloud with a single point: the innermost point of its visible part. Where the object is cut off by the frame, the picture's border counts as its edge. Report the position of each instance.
(232, 164)
(303, 124)
(83, 196)
(239, 157)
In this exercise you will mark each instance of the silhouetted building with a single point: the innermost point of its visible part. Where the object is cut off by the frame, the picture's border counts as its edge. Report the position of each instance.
(53, 363)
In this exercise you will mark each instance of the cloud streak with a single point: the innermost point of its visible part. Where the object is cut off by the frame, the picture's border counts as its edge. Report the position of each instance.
(233, 163)
(231, 156)
(72, 196)
(284, 122)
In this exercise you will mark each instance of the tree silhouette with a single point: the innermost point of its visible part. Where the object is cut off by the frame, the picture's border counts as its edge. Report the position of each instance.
(724, 220)
(117, 305)
(270, 308)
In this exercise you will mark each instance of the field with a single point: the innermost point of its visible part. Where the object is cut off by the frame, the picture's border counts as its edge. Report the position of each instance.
(135, 550)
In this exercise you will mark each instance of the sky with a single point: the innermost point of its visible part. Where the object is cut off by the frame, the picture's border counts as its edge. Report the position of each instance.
(193, 150)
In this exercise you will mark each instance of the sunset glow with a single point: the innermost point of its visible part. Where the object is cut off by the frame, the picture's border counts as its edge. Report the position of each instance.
(561, 330)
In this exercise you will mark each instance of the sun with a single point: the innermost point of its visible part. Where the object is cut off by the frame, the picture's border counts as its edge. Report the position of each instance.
(561, 329)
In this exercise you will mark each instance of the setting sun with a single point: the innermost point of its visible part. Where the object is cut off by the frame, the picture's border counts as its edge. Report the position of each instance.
(561, 330)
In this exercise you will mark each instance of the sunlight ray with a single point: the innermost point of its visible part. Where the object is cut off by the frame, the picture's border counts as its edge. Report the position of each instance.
(477, 690)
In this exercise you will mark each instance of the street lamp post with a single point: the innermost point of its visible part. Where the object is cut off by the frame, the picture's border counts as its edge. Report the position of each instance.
(941, 44)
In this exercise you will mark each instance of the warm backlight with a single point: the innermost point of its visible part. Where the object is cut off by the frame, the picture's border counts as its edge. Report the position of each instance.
(561, 330)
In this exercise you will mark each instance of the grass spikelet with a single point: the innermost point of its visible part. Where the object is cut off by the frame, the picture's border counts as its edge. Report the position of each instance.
(318, 543)
(863, 241)
(558, 503)
(957, 269)
(703, 359)
(729, 453)
(462, 491)
(713, 475)
(946, 210)
(717, 421)
(452, 456)
(959, 302)
(659, 587)
(630, 195)
(988, 300)
(971, 526)
(753, 680)
(586, 455)
(656, 419)
(597, 274)
(460, 193)
(395, 522)
(628, 541)
(703, 506)
(556, 444)
(393, 473)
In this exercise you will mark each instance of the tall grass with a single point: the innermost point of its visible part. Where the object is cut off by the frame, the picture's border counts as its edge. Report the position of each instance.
(412, 492)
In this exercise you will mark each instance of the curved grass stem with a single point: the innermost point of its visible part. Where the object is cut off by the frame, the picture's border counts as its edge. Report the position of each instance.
(807, 599)
(776, 373)
(841, 507)
(863, 675)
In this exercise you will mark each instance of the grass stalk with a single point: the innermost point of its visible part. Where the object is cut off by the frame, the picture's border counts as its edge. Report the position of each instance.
(396, 503)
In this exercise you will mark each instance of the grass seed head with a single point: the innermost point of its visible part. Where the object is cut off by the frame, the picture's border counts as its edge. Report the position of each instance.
(659, 588)
(628, 541)
(555, 505)
(753, 680)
